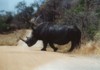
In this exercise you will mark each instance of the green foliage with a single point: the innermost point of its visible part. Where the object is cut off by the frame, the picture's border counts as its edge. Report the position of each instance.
(92, 30)
(25, 13)
(98, 12)
(91, 24)
(82, 2)
(80, 7)
(4, 27)
(22, 6)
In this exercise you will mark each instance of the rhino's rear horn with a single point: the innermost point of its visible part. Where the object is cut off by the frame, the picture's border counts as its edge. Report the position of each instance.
(27, 37)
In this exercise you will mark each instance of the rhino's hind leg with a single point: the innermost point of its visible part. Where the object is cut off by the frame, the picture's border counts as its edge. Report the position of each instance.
(73, 46)
(53, 47)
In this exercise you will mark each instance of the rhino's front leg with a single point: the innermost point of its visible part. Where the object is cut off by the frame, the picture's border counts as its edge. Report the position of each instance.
(44, 46)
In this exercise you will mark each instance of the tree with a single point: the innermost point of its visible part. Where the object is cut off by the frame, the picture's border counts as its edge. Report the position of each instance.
(20, 6)
(5, 20)
(49, 10)
(25, 13)
(52, 10)
(9, 17)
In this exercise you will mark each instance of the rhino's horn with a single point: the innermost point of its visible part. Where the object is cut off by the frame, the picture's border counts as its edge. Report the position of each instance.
(22, 40)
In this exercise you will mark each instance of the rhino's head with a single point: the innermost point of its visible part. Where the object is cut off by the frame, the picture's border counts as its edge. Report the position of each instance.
(30, 41)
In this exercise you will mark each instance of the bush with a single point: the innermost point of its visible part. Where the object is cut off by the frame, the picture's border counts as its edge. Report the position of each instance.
(4, 27)
(91, 31)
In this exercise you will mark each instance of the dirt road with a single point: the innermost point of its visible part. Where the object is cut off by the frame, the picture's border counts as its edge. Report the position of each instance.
(25, 58)
(15, 58)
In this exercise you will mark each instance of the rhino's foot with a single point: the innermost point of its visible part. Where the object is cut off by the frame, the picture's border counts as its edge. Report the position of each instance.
(43, 49)
(55, 49)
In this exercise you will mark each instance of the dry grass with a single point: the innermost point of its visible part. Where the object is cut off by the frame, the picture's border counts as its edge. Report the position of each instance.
(90, 48)
(11, 38)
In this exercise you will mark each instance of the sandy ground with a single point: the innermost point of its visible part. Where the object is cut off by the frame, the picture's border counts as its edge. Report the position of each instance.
(16, 58)
(21, 57)
(25, 58)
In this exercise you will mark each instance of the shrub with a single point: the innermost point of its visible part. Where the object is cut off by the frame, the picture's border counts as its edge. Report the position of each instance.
(4, 27)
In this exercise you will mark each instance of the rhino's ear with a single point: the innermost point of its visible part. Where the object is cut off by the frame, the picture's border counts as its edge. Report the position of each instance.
(32, 27)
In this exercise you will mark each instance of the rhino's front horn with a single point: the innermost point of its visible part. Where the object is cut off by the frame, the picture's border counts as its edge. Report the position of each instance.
(22, 40)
